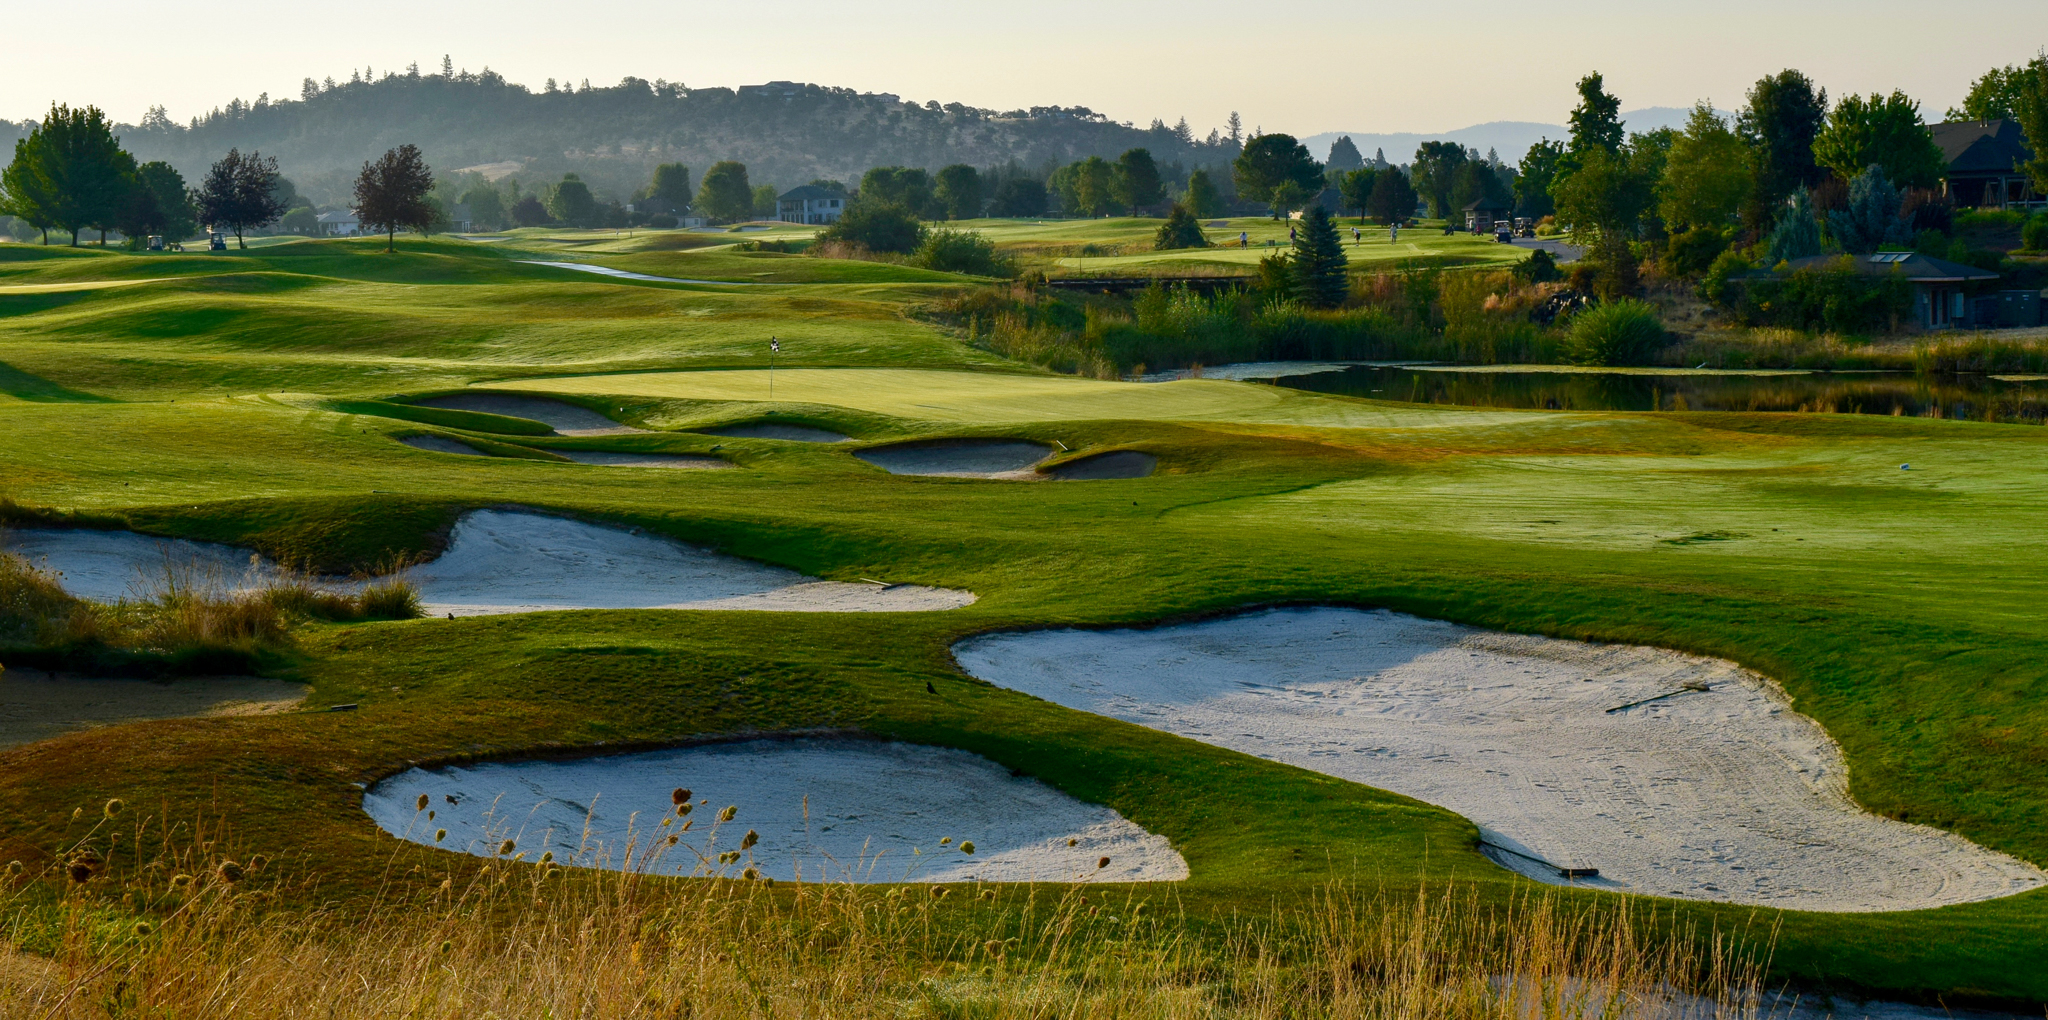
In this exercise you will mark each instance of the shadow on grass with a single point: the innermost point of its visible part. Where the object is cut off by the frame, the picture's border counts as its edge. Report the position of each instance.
(22, 386)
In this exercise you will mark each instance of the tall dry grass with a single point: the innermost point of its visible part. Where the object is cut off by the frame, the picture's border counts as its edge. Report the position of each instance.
(187, 929)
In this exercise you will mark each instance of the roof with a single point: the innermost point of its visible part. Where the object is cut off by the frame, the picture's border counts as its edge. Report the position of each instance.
(1915, 267)
(1982, 146)
(808, 193)
(338, 217)
(1487, 205)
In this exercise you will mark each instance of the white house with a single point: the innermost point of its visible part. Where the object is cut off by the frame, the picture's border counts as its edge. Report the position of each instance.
(340, 224)
(810, 204)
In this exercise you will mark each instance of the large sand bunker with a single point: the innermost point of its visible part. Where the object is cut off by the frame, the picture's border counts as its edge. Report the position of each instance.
(109, 566)
(773, 430)
(960, 458)
(35, 705)
(681, 461)
(1106, 466)
(833, 810)
(1710, 787)
(565, 418)
(621, 274)
(442, 444)
(502, 561)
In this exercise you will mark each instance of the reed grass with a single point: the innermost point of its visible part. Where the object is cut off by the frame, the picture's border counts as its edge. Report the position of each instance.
(136, 918)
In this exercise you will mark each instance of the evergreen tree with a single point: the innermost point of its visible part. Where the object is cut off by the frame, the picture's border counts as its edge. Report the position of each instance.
(1019, 197)
(1344, 156)
(240, 193)
(959, 191)
(1319, 262)
(1435, 173)
(1202, 198)
(1267, 167)
(1393, 198)
(1540, 167)
(1181, 230)
(1874, 218)
(1596, 121)
(1092, 180)
(725, 193)
(1797, 234)
(1136, 181)
(392, 193)
(1783, 116)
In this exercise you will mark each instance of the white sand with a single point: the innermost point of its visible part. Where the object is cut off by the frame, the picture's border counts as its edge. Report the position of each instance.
(620, 274)
(834, 810)
(677, 461)
(109, 566)
(35, 705)
(565, 418)
(442, 444)
(502, 561)
(1726, 795)
(1102, 466)
(960, 458)
(771, 430)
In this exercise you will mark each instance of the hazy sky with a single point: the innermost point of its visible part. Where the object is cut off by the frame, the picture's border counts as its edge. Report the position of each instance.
(1303, 66)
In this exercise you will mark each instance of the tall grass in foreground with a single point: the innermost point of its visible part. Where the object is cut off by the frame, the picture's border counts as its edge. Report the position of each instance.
(184, 931)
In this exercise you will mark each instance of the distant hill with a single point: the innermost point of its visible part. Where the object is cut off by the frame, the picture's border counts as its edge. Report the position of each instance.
(1511, 138)
(787, 133)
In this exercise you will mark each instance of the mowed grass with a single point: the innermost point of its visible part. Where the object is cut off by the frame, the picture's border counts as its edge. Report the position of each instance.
(1125, 243)
(1899, 608)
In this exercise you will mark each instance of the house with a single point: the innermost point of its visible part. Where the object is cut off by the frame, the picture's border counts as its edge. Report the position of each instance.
(1984, 159)
(810, 204)
(1481, 215)
(1940, 287)
(342, 223)
(459, 219)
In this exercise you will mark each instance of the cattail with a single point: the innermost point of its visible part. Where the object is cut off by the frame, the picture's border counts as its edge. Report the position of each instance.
(505, 848)
(680, 797)
(967, 846)
(1101, 862)
(730, 811)
(747, 841)
(112, 808)
(421, 804)
(440, 834)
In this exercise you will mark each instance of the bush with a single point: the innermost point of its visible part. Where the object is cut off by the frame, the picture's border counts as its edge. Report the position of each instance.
(1722, 286)
(2034, 236)
(1623, 332)
(1539, 267)
(1693, 252)
(962, 251)
(1829, 297)
(877, 226)
(1181, 230)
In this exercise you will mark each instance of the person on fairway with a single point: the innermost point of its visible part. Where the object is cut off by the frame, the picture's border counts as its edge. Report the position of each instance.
(1244, 239)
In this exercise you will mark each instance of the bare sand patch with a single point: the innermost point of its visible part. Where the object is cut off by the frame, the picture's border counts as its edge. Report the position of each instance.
(1710, 787)
(501, 561)
(442, 444)
(35, 705)
(771, 430)
(680, 461)
(824, 809)
(109, 566)
(1104, 466)
(960, 458)
(565, 418)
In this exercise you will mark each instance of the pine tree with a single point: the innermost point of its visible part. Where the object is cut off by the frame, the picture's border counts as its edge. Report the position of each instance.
(1797, 234)
(1319, 262)
(1873, 219)
(1181, 230)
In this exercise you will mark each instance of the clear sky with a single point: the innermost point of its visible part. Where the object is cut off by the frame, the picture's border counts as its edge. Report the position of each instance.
(1303, 66)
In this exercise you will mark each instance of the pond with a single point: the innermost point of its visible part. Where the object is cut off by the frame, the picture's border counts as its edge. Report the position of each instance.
(1961, 397)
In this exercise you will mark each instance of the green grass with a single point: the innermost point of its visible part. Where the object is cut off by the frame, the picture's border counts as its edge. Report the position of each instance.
(1125, 246)
(1901, 609)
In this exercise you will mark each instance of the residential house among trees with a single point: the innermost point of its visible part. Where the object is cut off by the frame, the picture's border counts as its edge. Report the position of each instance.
(340, 224)
(810, 204)
(1984, 159)
(1941, 297)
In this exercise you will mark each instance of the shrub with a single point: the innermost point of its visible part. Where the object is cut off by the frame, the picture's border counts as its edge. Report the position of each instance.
(962, 251)
(2034, 236)
(877, 226)
(1181, 230)
(1623, 332)
(1830, 297)
(1693, 252)
(1539, 267)
(1722, 286)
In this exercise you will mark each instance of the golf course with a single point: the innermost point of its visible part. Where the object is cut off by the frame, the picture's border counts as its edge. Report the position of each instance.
(1822, 632)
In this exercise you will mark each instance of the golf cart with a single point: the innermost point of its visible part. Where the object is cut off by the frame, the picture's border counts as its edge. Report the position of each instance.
(216, 241)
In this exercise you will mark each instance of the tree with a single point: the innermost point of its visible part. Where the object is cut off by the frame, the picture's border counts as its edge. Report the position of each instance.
(725, 193)
(1344, 155)
(1476, 181)
(1596, 121)
(486, 206)
(1202, 198)
(1393, 198)
(70, 173)
(672, 185)
(1271, 162)
(1435, 174)
(767, 202)
(1997, 95)
(1604, 196)
(24, 190)
(392, 193)
(1881, 130)
(1135, 181)
(1784, 115)
(528, 212)
(1181, 230)
(876, 225)
(157, 204)
(1707, 175)
(909, 187)
(1874, 217)
(240, 193)
(569, 201)
(1540, 167)
(1356, 188)
(958, 190)
(2031, 109)
(1319, 262)
(1019, 197)
(1797, 234)
(1092, 180)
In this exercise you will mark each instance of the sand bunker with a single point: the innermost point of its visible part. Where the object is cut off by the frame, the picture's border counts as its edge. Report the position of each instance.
(109, 566)
(960, 458)
(833, 810)
(651, 460)
(1716, 794)
(1114, 464)
(509, 562)
(770, 430)
(620, 274)
(565, 418)
(442, 444)
(35, 705)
